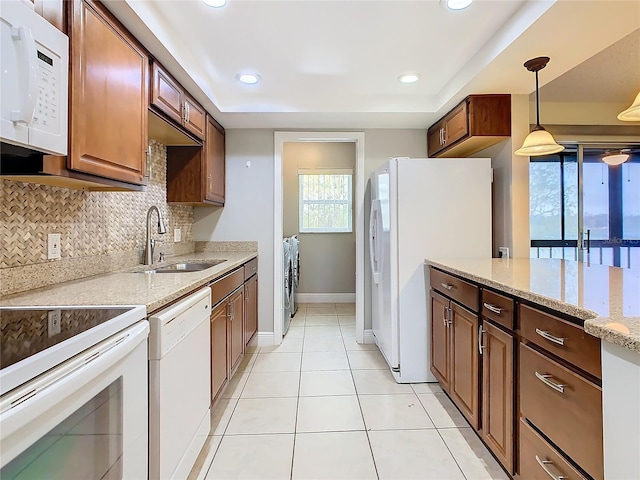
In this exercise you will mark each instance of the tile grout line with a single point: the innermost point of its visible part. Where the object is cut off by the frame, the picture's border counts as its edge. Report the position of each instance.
(295, 423)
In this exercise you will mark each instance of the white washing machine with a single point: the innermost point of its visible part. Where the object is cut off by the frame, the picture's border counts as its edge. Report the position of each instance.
(295, 265)
(288, 283)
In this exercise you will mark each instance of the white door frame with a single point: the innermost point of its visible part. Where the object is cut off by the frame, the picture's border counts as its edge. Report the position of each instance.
(300, 137)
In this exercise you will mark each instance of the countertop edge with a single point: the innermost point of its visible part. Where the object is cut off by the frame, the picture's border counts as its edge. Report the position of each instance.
(593, 324)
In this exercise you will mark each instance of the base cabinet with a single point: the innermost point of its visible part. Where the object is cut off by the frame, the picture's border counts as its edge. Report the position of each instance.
(440, 358)
(498, 394)
(219, 356)
(236, 328)
(464, 363)
(251, 308)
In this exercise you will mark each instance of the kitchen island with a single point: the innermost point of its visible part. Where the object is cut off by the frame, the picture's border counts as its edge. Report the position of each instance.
(605, 302)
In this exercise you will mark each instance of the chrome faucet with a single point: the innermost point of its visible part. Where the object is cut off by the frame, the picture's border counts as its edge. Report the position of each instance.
(151, 244)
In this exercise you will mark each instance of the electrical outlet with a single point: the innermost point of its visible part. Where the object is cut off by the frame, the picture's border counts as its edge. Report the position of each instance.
(53, 246)
(503, 252)
(53, 322)
(177, 234)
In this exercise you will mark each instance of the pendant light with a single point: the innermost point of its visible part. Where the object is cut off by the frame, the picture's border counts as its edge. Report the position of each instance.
(631, 114)
(615, 157)
(539, 141)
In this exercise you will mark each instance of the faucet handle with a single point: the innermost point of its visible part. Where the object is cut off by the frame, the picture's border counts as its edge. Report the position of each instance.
(161, 257)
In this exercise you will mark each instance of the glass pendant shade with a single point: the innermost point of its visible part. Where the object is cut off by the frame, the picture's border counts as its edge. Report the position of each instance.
(615, 158)
(631, 114)
(539, 142)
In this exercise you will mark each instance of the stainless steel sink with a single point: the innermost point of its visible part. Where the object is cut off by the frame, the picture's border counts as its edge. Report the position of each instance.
(184, 267)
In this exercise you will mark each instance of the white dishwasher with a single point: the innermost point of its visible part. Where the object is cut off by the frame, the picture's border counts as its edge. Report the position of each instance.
(179, 386)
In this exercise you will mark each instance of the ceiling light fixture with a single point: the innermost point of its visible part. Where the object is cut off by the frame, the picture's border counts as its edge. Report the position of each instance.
(409, 78)
(539, 141)
(248, 78)
(215, 3)
(631, 114)
(457, 4)
(615, 157)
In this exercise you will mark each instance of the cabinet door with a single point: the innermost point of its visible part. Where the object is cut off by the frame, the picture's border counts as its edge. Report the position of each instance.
(166, 94)
(236, 328)
(215, 164)
(194, 117)
(440, 354)
(464, 362)
(219, 357)
(497, 394)
(456, 124)
(251, 308)
(108, 96)
(435, 138)
(52, 11)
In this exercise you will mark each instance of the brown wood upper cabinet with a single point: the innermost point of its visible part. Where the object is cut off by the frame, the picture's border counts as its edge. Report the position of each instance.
(172, 100)
(52, 11)
(477, 122)
(196, 175)
(109, 78)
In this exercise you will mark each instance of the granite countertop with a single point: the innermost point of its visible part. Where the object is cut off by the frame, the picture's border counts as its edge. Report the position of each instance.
(606, 298)
(129, 287)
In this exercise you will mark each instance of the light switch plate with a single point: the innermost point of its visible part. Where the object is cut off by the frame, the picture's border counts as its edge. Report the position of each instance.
(177, 234)
(53, 246)
(503, 252)
(53, 322)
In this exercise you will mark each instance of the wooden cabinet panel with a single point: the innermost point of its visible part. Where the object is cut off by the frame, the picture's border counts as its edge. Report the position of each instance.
(194, 117)
(498, 308)
(196, 175)
(219, 355)
(251, 308)
(52, 11)
(223, 286)
(539, 460)
(463, 292)
(236, 328)
(564, 339)
(565, 406)
(474, 124)
(108, 96)
(250, 268)
(498, 394)
(440, 354)
(464, 363)
(166, 94)
(215, 163)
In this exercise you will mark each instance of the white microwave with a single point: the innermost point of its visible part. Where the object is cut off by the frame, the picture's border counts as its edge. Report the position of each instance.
(34, 73)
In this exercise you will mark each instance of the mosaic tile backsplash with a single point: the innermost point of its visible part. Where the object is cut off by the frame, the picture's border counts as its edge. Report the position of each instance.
(93, 226)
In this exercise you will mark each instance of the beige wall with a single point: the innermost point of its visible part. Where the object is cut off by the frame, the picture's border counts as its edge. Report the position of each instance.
(100, 231)
(328, 260)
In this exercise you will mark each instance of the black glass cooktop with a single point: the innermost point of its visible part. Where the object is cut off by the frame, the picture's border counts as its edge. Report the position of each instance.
(27, 332)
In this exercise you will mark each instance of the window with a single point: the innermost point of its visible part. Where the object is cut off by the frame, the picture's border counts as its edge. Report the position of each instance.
(325, 201)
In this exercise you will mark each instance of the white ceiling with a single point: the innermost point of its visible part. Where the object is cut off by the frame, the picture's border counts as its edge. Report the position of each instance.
(334, 64)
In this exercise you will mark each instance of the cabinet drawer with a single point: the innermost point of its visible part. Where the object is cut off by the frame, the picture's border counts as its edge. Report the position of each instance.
(566, 340)
(461, 291)
(539, 460)
(250, 268)
(498, 308)
(224, 286)
(564, 406)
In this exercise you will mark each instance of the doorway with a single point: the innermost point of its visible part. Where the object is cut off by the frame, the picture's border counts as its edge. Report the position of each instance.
(281, 138)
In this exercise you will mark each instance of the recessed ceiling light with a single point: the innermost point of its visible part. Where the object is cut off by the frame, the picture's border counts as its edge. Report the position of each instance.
(456, 4)
(409, 77)
(215, 3)
(248, 78)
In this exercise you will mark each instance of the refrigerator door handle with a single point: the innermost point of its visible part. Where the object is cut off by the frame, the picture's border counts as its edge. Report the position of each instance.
(373, 240)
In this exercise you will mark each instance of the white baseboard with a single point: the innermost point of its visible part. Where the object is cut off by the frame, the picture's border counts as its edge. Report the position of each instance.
(263, 339)
(326, 298)
(368, 337)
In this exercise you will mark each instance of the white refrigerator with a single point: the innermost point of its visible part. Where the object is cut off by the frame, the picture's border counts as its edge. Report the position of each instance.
(421, 208)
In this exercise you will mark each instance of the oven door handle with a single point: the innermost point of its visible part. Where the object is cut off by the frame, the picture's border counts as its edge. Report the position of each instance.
(37, 401)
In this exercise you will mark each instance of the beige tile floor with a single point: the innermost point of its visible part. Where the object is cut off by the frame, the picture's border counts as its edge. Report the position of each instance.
(321, 406)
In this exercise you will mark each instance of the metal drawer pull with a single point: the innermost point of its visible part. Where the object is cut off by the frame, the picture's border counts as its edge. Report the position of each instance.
(447, 286)
(548, 336)
(480, 345)
(492, 308)
(545, 466)
(546, 380)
